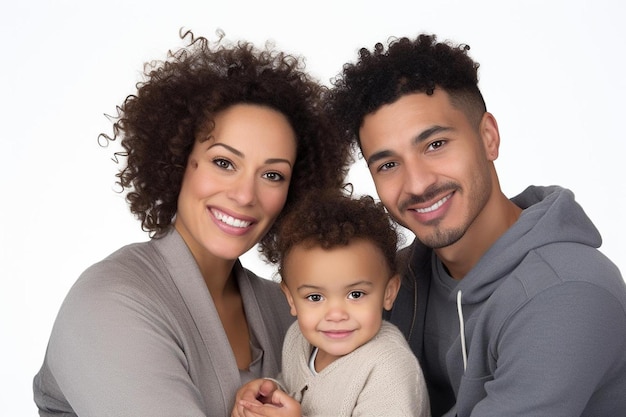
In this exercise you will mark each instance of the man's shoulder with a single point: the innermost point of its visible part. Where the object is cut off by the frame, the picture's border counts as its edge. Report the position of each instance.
(563, 263)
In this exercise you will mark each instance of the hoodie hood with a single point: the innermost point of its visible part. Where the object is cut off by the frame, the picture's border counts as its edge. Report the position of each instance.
(550, 253)
(550, 215)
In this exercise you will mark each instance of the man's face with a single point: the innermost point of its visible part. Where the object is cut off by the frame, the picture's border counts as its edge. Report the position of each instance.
(431, 167)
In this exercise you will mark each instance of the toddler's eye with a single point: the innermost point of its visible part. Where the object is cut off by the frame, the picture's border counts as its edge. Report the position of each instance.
(314, 297)
(355, 295)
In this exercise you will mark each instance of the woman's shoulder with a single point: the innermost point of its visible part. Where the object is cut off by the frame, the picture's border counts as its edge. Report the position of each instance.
(127, 265)
(132, 277)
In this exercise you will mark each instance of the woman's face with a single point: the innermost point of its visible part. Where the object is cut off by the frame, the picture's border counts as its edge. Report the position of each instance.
(236, 182)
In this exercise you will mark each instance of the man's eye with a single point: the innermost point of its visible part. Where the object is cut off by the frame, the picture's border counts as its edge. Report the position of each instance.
(355, 295)
(436, 144)
(386, 166)
(314, 297)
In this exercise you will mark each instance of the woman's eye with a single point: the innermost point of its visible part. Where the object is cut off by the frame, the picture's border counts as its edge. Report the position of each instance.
(274, 176)
(355, 295)
(314, 297)
(223, 163)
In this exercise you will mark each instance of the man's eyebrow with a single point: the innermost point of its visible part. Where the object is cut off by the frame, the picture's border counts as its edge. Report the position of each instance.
(424, 135)
(378, 156)
(429, 132)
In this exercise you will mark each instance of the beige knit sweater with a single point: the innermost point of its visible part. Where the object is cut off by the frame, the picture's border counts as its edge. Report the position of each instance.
(381, 378)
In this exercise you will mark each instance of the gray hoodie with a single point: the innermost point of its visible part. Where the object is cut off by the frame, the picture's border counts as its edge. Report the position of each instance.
(536, 328)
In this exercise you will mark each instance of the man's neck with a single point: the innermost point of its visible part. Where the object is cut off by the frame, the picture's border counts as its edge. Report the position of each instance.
(495, 219)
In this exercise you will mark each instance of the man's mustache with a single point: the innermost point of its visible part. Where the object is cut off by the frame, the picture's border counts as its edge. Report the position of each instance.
(428, 195)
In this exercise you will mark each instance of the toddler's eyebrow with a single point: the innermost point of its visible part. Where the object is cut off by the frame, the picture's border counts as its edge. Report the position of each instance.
(308, 287)
(362, 283)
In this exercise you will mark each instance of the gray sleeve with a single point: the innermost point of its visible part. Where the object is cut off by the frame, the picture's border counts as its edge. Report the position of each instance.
(553, 354)
(113, 352)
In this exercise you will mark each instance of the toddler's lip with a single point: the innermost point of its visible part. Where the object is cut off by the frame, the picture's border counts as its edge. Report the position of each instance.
(337, 334)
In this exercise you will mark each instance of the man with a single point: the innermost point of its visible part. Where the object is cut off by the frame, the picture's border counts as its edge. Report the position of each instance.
(507, 303)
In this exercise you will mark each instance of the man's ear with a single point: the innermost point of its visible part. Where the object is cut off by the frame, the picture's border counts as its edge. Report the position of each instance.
(391, 291)
(490, 136)
(287, 293)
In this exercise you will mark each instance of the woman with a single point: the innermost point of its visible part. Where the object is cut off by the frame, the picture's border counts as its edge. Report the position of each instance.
(220, 140)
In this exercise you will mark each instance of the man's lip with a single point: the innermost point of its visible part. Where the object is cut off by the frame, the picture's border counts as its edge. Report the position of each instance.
(435, 209)
(424, 209)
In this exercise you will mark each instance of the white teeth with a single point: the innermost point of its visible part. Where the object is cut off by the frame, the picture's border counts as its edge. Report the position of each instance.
(229, 220)
(434, 206)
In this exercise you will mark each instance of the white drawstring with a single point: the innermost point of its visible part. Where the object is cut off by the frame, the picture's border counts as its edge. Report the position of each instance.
(459, 309)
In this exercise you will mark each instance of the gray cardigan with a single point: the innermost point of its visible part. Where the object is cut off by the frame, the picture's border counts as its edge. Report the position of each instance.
(138, 335)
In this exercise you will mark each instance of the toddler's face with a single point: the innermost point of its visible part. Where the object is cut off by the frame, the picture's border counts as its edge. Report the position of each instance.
(338, 295)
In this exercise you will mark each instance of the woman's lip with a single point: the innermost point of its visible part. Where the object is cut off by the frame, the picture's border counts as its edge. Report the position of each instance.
(231, 225)
(231, 219)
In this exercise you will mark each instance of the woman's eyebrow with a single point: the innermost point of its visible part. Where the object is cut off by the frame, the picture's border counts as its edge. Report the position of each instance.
(241, 155)
(230, 148)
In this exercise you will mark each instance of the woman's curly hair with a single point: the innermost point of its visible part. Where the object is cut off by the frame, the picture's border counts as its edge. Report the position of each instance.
(333, 219)
(177, 102)
(407, 66)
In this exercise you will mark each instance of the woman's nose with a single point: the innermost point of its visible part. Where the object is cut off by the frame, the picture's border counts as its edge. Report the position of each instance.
(243, 190)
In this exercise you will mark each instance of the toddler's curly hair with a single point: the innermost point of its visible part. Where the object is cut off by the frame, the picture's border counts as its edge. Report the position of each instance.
(334, 219)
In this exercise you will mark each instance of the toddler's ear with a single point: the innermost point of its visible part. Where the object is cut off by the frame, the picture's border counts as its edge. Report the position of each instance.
(391, 291)
(287, 293)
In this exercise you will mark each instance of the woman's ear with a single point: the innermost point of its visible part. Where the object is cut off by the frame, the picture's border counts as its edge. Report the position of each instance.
(287, 293)
(391, 291)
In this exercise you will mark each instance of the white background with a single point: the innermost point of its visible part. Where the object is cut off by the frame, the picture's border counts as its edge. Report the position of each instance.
(552, 72)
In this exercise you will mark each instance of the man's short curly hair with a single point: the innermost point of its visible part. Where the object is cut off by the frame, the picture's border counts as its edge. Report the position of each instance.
(406, 66)
(330, 219)
(178, 100)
